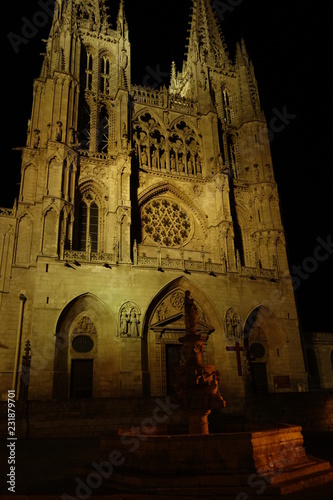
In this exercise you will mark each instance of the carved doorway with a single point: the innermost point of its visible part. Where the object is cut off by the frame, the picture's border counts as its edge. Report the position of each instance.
(82, 378)
(165, 326)
(259, 378)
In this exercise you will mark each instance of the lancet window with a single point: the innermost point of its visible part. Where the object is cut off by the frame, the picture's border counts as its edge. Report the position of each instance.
(103, 139)
(226, 106)
(105, 66)
(232, 157)
(88, 224)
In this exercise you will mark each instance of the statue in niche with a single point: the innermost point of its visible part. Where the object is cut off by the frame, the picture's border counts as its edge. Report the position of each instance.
(36, 138)
(134, 330)
(129, 320)
(72, 136)
(173, 163)
(181, 165)
(163, 161)
(154, 160)
(123, 323)
(59, 132)
(144, 158)
(190, 166)
(233, 325)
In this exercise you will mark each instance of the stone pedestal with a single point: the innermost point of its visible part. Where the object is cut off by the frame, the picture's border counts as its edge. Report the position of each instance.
(196, 385)
(198, 422)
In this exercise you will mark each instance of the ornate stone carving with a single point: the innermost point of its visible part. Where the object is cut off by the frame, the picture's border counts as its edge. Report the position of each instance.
(84, 325)
(129, 320)
(233, 324)
(165, 222)
(178, 152)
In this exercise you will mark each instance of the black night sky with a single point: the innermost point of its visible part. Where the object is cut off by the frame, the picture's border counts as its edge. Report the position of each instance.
(291, 45)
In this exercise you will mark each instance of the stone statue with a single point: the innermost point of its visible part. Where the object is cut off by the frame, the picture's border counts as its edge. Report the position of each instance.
(190, 166)
(59, 132)
(144, 158)
(36, 138)
(154, 160)
(134, 331)
(173, 163)
(181, 165)
(233, 324)
(123, 323)
(196, 385)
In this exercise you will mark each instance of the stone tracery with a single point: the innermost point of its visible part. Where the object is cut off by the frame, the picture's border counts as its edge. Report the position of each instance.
(177, 152)
(165, 222)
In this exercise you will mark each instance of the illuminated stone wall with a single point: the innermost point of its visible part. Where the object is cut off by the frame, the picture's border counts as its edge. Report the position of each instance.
(129, 197)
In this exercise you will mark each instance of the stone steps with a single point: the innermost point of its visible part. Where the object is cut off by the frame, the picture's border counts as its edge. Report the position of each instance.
(229, 486)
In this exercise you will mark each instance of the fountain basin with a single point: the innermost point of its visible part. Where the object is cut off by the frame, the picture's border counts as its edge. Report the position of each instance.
(165, 462)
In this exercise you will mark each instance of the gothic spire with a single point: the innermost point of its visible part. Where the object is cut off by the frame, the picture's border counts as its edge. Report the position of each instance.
(206, 40)
(122, 26)
(92, 15)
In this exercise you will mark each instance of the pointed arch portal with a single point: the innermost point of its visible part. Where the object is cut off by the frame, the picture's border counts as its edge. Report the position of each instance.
(263, 334)
(83, 324)
(164, 324)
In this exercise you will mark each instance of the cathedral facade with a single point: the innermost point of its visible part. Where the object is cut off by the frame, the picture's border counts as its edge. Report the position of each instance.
(130, 196)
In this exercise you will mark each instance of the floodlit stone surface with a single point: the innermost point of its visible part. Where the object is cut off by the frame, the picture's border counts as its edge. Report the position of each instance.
(129, 196)
(217, 463)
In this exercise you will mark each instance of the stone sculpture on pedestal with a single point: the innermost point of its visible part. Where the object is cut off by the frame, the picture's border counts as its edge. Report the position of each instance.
(196, 385)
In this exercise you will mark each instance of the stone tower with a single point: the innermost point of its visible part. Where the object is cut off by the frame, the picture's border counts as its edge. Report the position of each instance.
(130, 196)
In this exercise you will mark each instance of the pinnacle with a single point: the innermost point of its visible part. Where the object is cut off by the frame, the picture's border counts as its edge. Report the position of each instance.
(206, 40)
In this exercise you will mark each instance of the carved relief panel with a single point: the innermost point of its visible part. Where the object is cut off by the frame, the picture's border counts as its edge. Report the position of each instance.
(129, 320)
(83, 338)
(233, 325)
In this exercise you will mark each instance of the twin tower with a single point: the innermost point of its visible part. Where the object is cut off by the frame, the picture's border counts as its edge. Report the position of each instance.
(129, 196)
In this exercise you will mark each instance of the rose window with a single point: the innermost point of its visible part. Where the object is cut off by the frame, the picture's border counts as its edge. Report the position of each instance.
(165, 222)
(82, 344)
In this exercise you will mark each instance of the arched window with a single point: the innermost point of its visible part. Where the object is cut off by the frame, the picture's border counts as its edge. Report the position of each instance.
(88, 225)
(105, 75)
(103, 134)
(94, 227)
(232, 157)
(226, 106)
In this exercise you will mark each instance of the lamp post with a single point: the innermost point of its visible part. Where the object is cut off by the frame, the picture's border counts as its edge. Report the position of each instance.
(22, 298)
